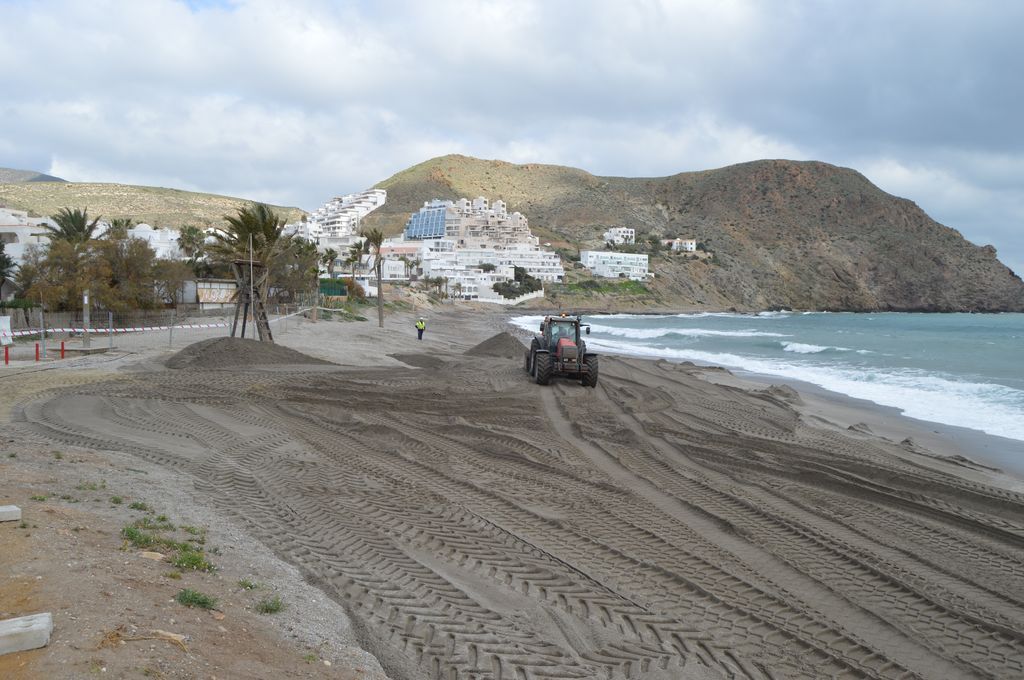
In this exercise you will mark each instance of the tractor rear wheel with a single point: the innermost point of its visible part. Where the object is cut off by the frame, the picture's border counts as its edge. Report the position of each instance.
(530, 364)
(590, 377)
(542, 368)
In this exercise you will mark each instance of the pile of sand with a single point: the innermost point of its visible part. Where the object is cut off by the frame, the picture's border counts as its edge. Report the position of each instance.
(237, 353)
(504, 345)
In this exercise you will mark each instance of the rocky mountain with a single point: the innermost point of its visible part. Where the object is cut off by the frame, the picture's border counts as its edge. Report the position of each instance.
(800, 235)
(157, 206)
(11, 176)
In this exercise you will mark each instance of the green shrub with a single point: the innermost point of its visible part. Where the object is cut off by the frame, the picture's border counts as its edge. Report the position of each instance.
(190, 558)
(193, 598)
(269, 605)
(138, 538)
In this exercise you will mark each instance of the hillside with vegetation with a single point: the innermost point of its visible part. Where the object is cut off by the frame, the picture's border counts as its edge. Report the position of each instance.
(799, 235)
(157, 206)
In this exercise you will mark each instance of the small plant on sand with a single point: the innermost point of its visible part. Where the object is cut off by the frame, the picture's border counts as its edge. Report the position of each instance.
(139, 505)
(138, 538)
(188, 558)
(116, 500)
(198, 535)
(246, 584)
(58, 455)
(193, 598)
(309, 658)
(269, 605)
(176, 575)
(12, 455)
(87, 486)
(38, 497)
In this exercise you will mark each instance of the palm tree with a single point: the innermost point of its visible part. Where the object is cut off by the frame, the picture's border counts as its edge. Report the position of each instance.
(192, 241)
(458, 289)
(374, 241)
(6, 264)
(119, 227)
(329, 260)
(72, 226)
(258, 230)
(355, 256)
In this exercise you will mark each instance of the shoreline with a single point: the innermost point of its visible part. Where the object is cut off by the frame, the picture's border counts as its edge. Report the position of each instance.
(994, 456)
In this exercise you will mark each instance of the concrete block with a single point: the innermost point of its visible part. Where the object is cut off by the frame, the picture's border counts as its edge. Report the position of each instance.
(10, 513)
(25, 632)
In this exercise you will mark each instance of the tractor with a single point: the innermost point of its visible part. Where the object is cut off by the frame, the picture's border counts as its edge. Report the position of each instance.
(559, 350)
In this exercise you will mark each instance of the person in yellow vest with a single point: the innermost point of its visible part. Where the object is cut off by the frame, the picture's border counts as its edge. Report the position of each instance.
(421, 325)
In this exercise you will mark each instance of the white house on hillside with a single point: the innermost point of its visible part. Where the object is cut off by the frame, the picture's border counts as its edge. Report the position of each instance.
(164, 242)
(615, 265)
(620, 235)
(686, 245)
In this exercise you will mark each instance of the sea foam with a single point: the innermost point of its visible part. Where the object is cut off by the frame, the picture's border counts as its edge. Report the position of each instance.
(991, 408)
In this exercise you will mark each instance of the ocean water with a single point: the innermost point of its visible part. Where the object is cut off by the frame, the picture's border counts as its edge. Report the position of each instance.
(965, 370)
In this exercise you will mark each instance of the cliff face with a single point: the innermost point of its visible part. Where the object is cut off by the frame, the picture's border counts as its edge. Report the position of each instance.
(803, 235)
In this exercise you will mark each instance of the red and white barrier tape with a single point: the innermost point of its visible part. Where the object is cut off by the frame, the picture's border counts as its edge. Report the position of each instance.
(130, 329)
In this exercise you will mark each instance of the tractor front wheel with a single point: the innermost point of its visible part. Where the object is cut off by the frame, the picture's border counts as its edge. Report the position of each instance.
(590, 377)
(542, 368)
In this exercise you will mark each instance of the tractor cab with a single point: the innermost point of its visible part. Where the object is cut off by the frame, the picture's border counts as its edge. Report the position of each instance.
(562, 331)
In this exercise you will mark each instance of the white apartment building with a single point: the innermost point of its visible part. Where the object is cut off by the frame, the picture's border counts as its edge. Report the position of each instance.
(686, 245)
(18, 231)
(540, 264)
(479, 223)
(335, 224)
(615, 265)
(341, 215)
(483, 231)
(620, 235)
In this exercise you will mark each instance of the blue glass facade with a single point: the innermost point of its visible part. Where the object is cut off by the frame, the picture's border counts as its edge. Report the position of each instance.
(427, 223)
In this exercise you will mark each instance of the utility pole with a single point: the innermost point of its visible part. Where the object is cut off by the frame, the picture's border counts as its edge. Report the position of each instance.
(85, 317)
(252, 299)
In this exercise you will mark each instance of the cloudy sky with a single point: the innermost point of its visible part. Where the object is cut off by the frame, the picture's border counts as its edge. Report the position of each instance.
(294, 102)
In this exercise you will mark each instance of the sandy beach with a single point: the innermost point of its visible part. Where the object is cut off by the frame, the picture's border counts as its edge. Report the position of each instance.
(426, 511)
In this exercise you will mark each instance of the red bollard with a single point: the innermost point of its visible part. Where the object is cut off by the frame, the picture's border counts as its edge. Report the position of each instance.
(61, 349)
(7, 355)
(37, 351)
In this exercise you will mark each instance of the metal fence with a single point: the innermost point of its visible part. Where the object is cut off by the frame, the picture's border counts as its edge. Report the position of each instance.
(136, 330)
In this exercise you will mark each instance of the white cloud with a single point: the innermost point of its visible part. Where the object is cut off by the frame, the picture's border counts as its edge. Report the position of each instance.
(296, 102)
